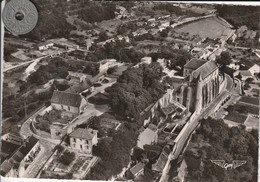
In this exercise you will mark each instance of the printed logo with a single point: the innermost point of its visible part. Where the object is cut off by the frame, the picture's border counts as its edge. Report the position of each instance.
(224, 165)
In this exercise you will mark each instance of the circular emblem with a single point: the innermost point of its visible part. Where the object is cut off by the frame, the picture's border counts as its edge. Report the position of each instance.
(20, 16)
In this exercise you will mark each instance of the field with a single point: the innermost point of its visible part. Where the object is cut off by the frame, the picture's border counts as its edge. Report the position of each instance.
(210, 27)
(250, 100)
(239, 112)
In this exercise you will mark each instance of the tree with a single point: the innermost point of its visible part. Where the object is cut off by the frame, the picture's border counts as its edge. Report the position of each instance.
(112, 69)
(224, 59)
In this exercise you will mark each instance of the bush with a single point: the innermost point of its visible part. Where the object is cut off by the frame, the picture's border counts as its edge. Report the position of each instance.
(67, 157)
(112, 70)
(59, 148)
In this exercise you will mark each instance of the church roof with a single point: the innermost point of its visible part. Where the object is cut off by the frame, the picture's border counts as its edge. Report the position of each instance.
(194, 63)
(65, 98)
(205, 70)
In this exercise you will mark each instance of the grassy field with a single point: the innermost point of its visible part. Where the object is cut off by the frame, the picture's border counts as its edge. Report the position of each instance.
(210, 27)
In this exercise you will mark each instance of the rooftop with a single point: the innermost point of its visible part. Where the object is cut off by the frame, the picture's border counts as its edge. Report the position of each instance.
(18, 156)
(78, 88)
(138, 167)
(146, 137)
(205, 70)
(194, 63)
(65, 98)
(79, 75)
(245, 73)
(83, 133)
(162, 160)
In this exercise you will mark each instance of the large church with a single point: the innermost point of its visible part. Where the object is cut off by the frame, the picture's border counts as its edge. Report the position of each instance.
(201, 85)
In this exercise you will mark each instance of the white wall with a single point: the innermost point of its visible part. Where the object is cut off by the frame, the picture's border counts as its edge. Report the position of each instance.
(66, 108)
(81, 145)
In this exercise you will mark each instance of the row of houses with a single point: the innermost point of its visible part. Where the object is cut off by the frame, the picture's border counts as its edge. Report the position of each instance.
(17, 154)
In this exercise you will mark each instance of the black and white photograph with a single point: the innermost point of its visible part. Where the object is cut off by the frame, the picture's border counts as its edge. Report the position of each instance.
(136, 91)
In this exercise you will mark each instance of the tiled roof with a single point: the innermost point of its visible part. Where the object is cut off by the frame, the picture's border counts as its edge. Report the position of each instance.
(82, 133)
(153, 127)
(65, 98)
(194, 64)
(5, 167)
(245, 73)
(29, 144)
(137, 168)
(18, 156)
(162, 160)
(205, 70)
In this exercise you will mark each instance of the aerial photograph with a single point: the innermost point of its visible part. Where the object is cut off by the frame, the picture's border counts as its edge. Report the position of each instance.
(132, 91)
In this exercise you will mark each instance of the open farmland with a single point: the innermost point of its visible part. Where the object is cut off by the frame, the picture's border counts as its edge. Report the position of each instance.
(210, 27)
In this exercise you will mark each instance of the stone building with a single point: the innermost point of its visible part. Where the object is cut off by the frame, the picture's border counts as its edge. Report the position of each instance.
(70, 102)
(17, 163)
(201, 85)
(83, 139)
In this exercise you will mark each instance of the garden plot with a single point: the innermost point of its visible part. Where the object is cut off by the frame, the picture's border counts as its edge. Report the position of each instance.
(69, 162)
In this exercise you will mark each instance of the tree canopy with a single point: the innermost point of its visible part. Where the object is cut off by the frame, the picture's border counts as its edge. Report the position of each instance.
(136, 89)
(214, 140)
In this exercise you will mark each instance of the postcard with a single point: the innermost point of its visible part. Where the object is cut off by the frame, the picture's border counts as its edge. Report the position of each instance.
(129, 91)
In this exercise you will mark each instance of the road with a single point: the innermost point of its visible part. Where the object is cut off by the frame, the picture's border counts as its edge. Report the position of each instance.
(46, 147)
(191, 127)
(39, 161)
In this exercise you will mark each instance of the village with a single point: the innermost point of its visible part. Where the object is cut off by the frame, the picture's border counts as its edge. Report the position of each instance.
(65, 135)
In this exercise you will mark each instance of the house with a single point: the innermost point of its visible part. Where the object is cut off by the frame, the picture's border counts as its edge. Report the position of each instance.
(254, 69)
(71, 102)
(20, 55)
(173, 109)
(58, 130)
(45, 45)
(83, 139)
(84, 86)
(234, 66)
(162, 160)
(78, 77)
(105, 64)
(245, 74)
(181, 171)
(147, 137)
(152, 151)
(64, 43)
(144, 60)
(17, 164)
(137, 170)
